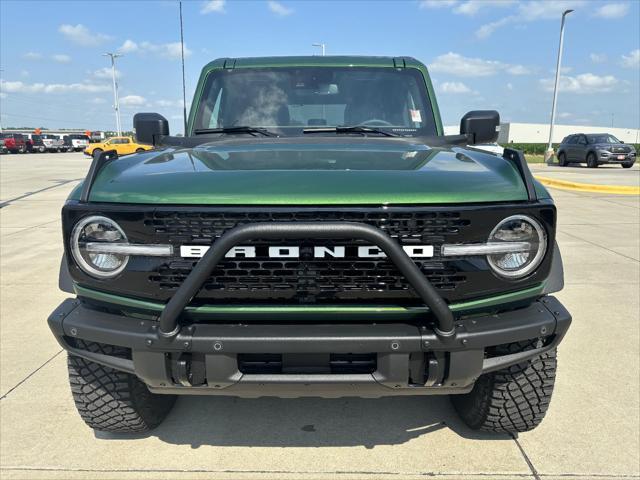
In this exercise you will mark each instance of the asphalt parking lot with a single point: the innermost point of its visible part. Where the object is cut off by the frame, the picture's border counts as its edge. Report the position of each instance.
(591, 430)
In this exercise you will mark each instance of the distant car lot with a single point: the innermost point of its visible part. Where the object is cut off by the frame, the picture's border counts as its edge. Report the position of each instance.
(41, 435)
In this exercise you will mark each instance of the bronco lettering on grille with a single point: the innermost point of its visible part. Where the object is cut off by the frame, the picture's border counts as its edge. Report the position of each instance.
(265, 251)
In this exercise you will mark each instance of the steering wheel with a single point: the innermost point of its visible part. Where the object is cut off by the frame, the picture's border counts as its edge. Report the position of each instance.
(376, 122)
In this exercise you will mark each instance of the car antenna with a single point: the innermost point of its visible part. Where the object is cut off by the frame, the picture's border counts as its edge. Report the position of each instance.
(184, 95)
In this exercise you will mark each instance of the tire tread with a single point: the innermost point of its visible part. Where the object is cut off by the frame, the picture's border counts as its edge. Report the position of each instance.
(110, 400)
(514, 399)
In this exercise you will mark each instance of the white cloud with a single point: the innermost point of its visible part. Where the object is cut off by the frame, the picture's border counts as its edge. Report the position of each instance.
(632, 60)
(216, 6)
(33, 56)
(170, 50)
(467, 7)
(487, 29)
(81, 35)
(97, 101)
(133, 101)
(565, 115)
(3, 95)
(278, 8)
(61, 58)
(471, 7)
(437, 3)
(529, 12)
(583, 83)
(169, 103)
(598, 57)
(24, 73)
(509, 86)
(128, 46)
(52, 87)
(612, 10)
(456, 64)
(454, 87)
(105, 73)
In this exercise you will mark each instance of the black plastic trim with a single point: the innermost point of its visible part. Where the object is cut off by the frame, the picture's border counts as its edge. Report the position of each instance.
(99, 161)
(517, 158)
(546, 320)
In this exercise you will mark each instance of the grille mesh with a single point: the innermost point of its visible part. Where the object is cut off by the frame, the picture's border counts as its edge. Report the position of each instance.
(307, 280)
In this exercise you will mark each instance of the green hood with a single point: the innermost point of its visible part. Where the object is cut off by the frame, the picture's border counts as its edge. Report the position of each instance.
(309, 171)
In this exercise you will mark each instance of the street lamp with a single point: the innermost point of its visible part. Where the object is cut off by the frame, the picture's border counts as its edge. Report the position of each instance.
(321, 45)
(116, 104)
(548, 155)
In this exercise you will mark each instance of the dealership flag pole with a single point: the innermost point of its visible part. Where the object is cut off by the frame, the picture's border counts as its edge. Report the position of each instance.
(548, 155)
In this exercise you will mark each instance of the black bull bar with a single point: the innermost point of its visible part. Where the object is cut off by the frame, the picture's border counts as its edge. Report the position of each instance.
(168, 321)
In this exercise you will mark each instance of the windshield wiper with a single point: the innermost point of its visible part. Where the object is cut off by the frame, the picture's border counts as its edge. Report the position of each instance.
(237, 129)
(350, 129)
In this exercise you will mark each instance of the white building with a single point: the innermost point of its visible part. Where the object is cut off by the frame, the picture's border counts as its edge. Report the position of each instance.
(539, 132)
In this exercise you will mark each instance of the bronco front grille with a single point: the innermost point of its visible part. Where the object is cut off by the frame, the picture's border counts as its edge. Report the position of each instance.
(307, 279)
(408, 227)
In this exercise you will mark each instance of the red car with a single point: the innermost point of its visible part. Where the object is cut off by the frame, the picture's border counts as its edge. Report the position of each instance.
(14, 142)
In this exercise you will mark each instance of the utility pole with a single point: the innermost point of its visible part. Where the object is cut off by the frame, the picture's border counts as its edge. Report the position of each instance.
(116, 104)
(184, 94)
(321, 45)
(548, 155)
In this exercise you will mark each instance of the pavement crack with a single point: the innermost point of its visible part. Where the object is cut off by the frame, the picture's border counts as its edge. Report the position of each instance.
(599, 246)
(534, 472)
(59, 183)
(30, 375)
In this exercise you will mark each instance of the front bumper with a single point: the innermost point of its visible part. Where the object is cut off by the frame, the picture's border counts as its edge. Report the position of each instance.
(608, 157)
(409, 359)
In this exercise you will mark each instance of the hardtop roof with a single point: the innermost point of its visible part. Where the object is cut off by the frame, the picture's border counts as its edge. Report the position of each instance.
(315, 60)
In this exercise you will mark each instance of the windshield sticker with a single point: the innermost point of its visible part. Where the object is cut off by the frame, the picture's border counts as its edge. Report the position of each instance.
(415, 115)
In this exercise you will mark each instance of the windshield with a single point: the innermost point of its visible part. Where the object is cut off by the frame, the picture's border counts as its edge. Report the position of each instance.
(293, 99)
(602, 139)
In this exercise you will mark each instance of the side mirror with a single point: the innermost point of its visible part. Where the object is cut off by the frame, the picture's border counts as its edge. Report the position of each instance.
(149, 127)
(482, 126)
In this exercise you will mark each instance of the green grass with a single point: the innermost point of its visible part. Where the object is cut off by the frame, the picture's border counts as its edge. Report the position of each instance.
(534, 158)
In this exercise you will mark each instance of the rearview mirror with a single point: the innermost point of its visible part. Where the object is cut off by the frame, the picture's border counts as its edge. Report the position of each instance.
(149, 127)
(482, 126)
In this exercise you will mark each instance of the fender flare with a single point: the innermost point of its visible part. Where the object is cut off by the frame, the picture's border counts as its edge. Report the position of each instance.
(65, 283)
(555, 280)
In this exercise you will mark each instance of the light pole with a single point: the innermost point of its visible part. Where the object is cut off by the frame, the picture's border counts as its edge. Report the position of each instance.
(548, 155)
(116, 104)
(321, 45)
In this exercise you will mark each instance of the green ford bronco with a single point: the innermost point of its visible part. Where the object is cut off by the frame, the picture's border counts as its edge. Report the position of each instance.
(314, 233)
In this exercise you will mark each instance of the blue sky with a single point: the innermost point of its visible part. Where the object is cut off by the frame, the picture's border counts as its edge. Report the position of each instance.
(497, 54)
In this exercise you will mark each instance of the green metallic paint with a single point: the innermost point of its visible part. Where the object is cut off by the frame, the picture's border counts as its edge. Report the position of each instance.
(345, 312)
(309, 171)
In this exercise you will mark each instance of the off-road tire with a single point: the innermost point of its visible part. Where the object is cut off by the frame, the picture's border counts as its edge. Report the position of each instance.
(562, 159)
(514, 399)
(627, 164)
(112, 401)
(592, 161)
(99, 150)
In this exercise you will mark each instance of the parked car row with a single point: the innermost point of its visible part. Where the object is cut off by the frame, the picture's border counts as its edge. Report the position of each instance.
(41, 143)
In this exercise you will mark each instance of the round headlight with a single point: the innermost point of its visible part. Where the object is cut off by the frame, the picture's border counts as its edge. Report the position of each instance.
(517, 264)
(93, 230)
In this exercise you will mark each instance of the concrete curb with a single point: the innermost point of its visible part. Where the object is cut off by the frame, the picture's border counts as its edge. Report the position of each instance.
(588, 187)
